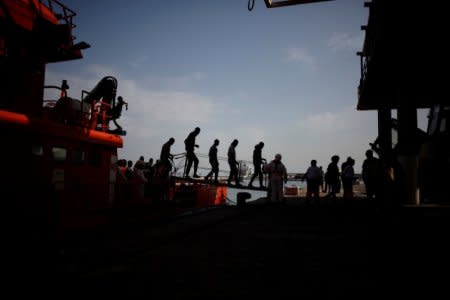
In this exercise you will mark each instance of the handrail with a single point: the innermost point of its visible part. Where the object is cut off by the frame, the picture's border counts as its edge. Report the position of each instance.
(66, 16)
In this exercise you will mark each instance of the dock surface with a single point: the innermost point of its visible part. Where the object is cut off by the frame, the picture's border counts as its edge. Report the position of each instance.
(327, 250)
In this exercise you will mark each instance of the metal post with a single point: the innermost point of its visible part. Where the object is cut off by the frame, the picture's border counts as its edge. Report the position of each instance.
(407, 128)
(384, 132)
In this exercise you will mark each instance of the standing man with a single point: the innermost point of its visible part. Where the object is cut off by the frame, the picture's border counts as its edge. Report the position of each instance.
(277, 176)
(189, 143)
(332, 177)
(257, 162)
(313, 178)
(371, 172)
(234, 165)
(213, 161)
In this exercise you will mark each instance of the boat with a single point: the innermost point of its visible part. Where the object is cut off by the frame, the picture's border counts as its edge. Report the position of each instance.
(60, 160)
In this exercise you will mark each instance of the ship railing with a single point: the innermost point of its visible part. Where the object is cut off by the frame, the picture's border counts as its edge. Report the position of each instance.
(62, 12)
(97, 114)
(66, 109)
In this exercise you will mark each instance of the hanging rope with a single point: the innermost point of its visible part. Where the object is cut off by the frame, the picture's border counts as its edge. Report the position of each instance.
(251, 4)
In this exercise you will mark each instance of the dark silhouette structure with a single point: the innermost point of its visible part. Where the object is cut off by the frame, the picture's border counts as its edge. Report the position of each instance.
(398, 76)
(258, 160)
(191, 158)
(213, 161)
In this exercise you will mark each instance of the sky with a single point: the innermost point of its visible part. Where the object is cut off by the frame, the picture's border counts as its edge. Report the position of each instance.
(285, 76)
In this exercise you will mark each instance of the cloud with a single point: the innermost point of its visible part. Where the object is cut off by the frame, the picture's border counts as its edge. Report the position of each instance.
(175, 82)
(322, 123)
(138, 61)
(345, 132)
(345, 42)
(330, 123)
(300, 56)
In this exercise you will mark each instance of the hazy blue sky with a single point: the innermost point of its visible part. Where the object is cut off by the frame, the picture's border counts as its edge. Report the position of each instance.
(285, 76)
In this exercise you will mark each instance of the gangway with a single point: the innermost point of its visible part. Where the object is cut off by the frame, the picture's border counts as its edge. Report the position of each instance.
(245, 172)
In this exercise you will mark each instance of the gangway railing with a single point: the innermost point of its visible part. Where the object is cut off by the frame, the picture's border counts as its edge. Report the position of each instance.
(245, 169)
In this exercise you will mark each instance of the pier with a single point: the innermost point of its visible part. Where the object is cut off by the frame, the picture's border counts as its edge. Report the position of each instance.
(332, 250)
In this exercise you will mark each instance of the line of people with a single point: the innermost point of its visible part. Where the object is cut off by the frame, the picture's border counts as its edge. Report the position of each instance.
(275, 169)
(330, 181)
(334, 178)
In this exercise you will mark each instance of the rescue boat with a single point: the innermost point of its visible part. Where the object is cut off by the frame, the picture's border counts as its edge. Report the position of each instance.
(60, 156)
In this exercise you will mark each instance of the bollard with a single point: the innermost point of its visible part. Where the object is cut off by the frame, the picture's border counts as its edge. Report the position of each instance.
(242, 198)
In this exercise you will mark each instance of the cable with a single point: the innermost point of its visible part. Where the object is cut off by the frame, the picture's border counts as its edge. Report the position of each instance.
(251, 4)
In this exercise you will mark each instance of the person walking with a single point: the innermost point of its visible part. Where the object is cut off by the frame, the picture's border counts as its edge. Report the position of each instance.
(234, 165)
(190, 144)
(258, 160)
(166, 157)
(214, 162)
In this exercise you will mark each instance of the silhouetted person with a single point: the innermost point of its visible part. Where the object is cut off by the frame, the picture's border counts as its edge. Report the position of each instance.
(139, 164)
(234, 165)
(139, 167)
(129, 172)
(149, 170)
(213, 161)
(344, 164)
(313, 179)
(190, 155)
(257, 164)
(115, 112)
(277, 175)
(332, 177)
(165, 156)
(371, 172)
(348, 176)
(323, 185)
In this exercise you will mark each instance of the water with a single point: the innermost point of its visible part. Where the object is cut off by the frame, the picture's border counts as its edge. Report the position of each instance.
(232, 192)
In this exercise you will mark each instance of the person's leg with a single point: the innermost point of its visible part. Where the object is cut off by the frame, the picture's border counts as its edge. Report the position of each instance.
(195, 159)
(216, 171)
(189, 163)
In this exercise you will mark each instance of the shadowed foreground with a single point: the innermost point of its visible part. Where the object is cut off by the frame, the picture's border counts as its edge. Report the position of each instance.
(293, 249)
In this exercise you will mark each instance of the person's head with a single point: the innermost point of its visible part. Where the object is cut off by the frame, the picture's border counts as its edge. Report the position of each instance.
(150, 161)
(197, 130)
(141, 158)
(277, 157)
(261, 145)
(313, 162)
(120, 99)
(216, 142)
(335, 158)
(130, 163)
(171, 141)
(235, 142)
(369, 153)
